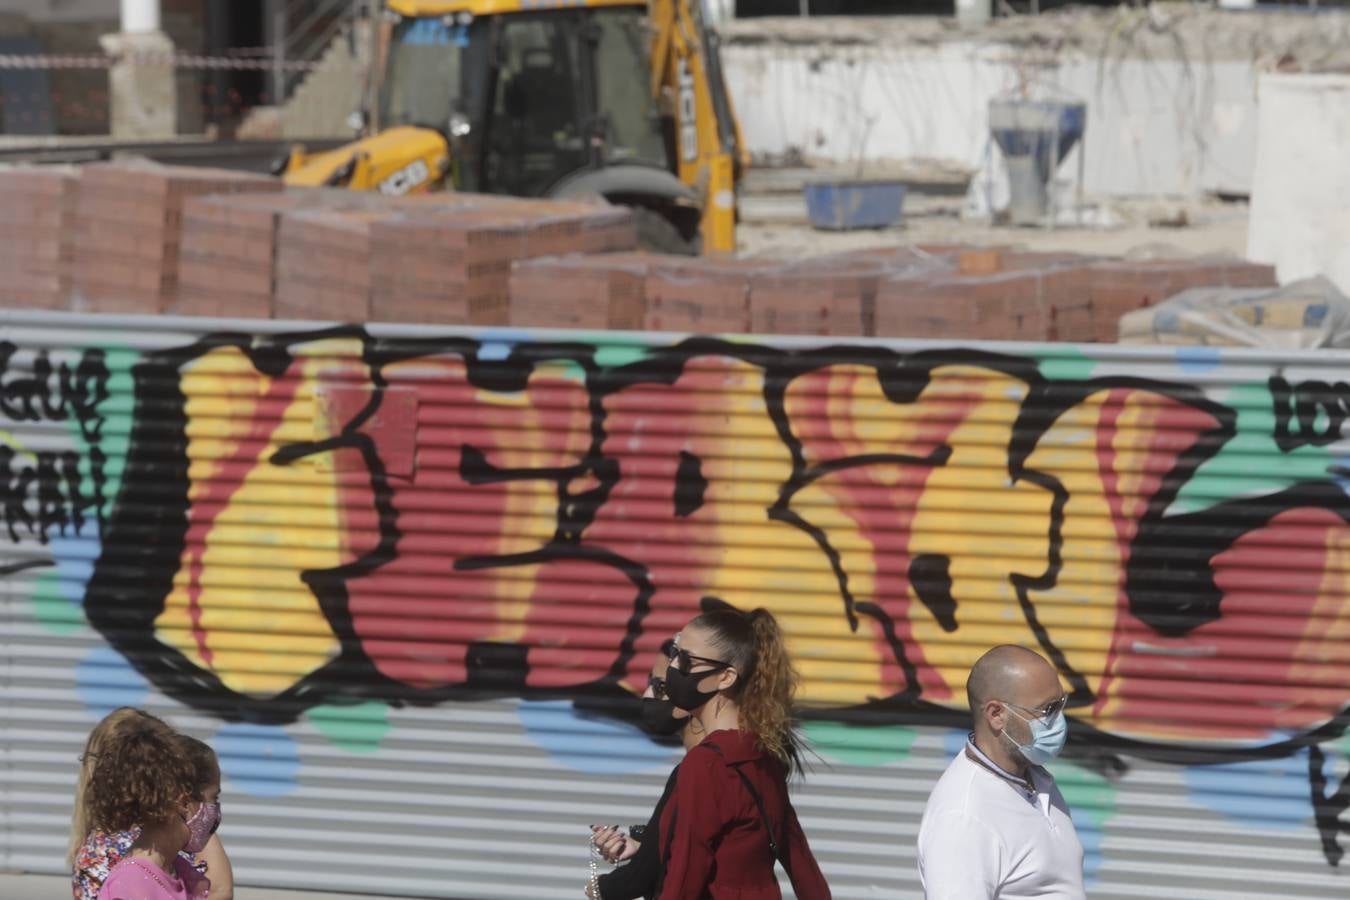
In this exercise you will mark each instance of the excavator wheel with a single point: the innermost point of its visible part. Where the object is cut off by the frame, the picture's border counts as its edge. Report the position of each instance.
(657, 234)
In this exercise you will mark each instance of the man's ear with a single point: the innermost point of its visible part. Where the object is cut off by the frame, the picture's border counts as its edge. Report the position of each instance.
(995, 714)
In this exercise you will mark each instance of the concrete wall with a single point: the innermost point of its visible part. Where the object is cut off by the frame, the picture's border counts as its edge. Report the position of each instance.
(1301, 200)
(1154, 127)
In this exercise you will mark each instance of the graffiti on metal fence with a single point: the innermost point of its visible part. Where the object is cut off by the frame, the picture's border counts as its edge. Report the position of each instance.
(42, 490)
(330, 517)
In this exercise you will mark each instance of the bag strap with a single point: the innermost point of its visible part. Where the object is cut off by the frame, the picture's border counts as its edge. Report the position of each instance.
(759, 802)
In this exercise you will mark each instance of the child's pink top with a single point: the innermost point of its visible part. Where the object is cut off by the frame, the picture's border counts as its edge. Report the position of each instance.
(137, 878)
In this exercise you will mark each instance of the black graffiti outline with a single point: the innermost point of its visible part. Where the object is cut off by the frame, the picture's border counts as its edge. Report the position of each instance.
(77, 393)
(1303, 403)
(352, 676)
(903, 378)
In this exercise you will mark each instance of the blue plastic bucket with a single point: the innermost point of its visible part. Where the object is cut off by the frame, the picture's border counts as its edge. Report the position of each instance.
(851, 205)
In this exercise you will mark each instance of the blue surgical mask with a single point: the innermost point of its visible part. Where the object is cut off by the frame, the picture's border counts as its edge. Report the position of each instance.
(1047, 738)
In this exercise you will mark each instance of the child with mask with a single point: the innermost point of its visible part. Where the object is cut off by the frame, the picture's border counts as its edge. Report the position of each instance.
(95, 851)
(148, 781)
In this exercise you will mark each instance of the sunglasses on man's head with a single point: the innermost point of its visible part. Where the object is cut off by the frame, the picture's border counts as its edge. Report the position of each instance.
(1048, 711)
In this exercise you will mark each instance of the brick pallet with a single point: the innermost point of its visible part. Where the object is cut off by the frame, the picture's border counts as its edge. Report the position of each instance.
(37, 235)
(323, 265)
(454, 266)
(702, 295)
(581, 291)
(128, 230)
(228, 255)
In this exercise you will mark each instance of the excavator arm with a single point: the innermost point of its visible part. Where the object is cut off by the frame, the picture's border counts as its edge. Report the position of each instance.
(687, 78)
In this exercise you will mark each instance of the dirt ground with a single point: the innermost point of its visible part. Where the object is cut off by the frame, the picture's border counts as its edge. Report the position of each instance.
(774, 225)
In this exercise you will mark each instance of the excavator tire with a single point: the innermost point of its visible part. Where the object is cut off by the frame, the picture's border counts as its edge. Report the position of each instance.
(656, 234)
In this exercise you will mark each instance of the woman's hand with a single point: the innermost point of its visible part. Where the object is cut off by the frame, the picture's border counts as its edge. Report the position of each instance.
(614, 845)
(218, 869)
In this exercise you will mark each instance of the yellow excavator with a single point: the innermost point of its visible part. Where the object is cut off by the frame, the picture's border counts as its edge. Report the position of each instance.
(551, 98)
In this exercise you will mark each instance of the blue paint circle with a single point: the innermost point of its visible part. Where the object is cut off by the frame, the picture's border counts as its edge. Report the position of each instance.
(1091, 837)
(592, 745)
(75, 557)
(1198, 359)
(260, 760)
(104, 680)
(1267, 794)
(954, 741)
(496, 344)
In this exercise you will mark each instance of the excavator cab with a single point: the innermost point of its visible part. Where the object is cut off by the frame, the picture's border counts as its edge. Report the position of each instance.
(543, 100)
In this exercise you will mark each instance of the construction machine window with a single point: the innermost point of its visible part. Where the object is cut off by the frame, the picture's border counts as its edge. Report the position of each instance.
(423, 78)
(623, 86)
(537, 122)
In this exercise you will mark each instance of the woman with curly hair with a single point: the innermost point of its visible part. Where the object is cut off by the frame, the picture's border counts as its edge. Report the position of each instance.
(729, 818)
(147, 780)
(94, 851)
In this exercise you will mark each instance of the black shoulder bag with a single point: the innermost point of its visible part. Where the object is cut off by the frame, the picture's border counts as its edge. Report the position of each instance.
(775, 847)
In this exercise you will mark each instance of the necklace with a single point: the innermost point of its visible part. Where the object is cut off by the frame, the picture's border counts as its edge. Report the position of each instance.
(1021, 785)
(153, 871)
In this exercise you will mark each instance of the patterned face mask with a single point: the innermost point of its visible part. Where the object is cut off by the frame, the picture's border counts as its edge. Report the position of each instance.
(201, 826)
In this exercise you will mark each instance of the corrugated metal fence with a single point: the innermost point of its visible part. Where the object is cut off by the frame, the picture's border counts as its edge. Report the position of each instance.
(403, 580)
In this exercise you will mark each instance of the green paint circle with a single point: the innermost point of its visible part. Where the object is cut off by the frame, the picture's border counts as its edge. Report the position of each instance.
(51, 609)
(860, 745)
(1065, 363)
(1086, 792)
(356, 728)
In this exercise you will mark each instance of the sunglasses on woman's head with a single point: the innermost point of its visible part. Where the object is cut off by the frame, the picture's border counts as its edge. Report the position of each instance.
(683, 661)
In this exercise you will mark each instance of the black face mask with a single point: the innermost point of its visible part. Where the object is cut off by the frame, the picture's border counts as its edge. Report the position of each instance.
(658, 717)
(683, 689)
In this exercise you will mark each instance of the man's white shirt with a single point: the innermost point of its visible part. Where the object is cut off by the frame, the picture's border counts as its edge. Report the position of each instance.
(989, 834)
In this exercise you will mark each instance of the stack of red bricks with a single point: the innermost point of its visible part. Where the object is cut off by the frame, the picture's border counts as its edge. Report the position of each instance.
(1003, 295)
(37, 235)
(832, 295)
(707, 296)
(325, 254)
(635, 290)
(932, 292)
(451, 262)
(128, 229)
(146, 238)
(323, 265)
(228, 252)
(600, 291)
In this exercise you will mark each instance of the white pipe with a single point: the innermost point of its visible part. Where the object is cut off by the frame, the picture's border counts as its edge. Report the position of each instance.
(140, 16)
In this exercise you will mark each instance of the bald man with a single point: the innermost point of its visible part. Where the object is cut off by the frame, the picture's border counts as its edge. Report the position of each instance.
(996, 825)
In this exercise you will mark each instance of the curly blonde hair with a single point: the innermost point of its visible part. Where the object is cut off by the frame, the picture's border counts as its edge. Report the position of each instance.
(111, 728)
(766, 686)
(140, 778)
